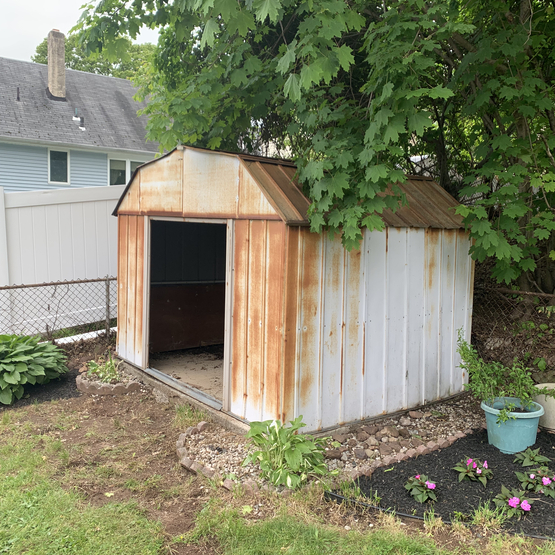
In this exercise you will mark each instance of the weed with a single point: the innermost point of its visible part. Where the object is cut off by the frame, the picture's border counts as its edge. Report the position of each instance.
(488, 518)
(432, 523)
(106, 370)
(187, 415)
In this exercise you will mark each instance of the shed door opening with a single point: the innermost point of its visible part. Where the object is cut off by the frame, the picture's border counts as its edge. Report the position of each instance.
(187, 303)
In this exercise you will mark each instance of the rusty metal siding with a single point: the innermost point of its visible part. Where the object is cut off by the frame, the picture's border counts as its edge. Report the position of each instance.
(258, 297)
(376, 328)
(131, 231)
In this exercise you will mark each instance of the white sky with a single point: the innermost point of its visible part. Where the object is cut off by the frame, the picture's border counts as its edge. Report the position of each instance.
(25, 23)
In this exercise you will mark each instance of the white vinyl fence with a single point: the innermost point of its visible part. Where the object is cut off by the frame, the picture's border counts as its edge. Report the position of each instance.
(58, 244)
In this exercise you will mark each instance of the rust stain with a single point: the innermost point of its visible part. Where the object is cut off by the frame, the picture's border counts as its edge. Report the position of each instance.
(139, 291)
(431, 245)
(363, 349)
(123, 241)
(386, 240)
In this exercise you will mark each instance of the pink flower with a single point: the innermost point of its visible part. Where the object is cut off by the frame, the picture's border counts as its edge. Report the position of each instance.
(514, 502)
(478, 471)
(485, 464)
(417, 476)
(474, 465)
(525, 506)
(430, 485)
(468, 462)
(532, 476)
(546, 481)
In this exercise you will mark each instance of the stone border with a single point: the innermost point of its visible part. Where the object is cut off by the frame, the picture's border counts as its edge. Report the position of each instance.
(251, 487)
(95, 388)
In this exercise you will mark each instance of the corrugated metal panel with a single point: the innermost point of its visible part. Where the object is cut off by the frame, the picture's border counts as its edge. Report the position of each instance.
(258, 277)
(131, 236)
(376, 328)
(160, 186)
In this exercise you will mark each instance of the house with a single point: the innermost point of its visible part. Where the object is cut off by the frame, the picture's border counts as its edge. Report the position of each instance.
(61, 128)
(215, 252)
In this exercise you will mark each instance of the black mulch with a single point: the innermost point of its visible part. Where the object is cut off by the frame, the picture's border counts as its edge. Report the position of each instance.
(465, 496)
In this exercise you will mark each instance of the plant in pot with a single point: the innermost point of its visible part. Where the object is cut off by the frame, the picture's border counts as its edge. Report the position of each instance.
(507, 397)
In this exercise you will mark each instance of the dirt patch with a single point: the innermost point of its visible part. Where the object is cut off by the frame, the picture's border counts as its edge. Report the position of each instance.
(201, 368)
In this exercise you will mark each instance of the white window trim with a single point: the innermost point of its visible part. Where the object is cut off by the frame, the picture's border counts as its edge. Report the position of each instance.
(68, 182)
(127, 161)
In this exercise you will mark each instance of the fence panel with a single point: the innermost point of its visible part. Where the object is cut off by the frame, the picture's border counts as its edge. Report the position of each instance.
(46, 308)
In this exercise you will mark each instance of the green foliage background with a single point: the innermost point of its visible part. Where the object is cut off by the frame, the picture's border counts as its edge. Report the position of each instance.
(362, 93)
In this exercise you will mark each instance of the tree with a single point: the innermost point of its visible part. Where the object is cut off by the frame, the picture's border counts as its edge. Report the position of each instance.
(362, 93)
(76, 58)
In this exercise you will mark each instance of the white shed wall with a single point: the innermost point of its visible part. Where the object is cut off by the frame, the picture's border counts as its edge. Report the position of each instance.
(380, 324)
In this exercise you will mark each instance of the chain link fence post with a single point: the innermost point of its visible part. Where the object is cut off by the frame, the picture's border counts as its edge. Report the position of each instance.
(107, 307)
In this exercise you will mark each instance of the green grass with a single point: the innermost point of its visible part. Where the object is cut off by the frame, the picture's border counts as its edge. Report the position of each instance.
(286, 534)
(38, 517)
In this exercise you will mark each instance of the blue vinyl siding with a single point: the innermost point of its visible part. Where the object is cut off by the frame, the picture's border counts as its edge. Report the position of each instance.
(88, 169)
(25, 168)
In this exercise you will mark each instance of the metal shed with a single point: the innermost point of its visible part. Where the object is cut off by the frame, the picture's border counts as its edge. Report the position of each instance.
(307, 328)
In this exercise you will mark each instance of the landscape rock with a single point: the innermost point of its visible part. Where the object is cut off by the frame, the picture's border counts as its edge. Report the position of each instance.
(360, 454)
(416, 414)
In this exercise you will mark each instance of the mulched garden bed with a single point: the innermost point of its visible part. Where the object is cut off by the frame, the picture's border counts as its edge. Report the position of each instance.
(465, 496)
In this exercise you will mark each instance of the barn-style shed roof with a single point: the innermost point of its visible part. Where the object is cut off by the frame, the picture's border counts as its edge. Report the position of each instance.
(190, 181)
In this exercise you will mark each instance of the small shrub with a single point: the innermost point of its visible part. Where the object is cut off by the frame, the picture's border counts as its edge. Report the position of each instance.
(24, 360)
(105, 371)
(285, 457)
(421, 488)
(474, 469)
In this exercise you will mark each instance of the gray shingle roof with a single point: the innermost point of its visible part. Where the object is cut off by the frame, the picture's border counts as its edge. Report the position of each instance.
(110, 112)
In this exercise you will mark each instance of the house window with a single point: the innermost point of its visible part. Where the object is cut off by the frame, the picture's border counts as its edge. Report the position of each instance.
(58, 166)
(122, 170)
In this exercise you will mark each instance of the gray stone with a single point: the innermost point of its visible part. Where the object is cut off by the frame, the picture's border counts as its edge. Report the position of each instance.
(332, 454)
(182, 452)
(372, 441)
(403, 432)
(363, 436)
(105, 389)
(416, 414)
(208, 472)
(352, 442)
(344, 457)
(360, 454)
(119, 389)
(405, 421)
(390, 431)
(228, 484)
(197, 467)
(133, 386)
(187, 463)
(385, 439)
(385, 449)
(340, 438)
(369, 452)
(371, 430)
(201, 426)
(160, 397)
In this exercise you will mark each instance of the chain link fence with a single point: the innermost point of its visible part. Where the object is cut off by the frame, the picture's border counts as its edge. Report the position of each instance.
(59, 309)
(508, 324)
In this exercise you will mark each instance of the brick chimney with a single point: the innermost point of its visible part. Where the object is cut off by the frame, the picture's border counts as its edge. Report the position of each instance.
(56, 65)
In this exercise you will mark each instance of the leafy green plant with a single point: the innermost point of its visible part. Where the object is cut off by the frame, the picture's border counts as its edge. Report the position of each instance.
(285, 457)
(474, 469)
(516, 503)
(24, 360)
(490, 381)
(105, 371)
(530, 457)
(538, 480)
(421, 488)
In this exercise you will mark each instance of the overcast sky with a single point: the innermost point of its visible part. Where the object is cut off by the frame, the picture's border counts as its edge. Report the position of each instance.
(25, 23)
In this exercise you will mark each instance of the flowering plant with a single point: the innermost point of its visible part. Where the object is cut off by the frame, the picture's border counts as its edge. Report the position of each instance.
(515, 502)
(539, 479)
(421, 488)
(474, 469)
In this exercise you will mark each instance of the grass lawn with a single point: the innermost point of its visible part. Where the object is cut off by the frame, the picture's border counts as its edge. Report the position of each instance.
(100, 476)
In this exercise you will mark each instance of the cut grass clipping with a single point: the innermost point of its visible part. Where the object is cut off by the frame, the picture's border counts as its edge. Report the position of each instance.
(39, 517)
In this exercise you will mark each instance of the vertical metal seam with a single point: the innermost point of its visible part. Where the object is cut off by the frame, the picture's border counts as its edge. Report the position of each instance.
(363, 316)
(439, 315)
(320, 393)
(453, 312)
(343, 339)
(228, 316)
(422, 373)
(146, 293)
(298, 326)
(263, 343)
(247, 331)
(281, 368)
(406, 318)
(386, 322)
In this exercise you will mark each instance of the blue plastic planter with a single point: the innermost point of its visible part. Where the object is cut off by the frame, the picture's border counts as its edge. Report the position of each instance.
(516, 434)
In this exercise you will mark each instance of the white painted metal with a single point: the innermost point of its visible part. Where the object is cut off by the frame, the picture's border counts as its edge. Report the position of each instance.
(377, 329)
(228, 331)
(145, 336)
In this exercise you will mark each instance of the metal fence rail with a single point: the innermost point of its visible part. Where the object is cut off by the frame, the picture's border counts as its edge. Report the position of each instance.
(508, 324)
(73, 306)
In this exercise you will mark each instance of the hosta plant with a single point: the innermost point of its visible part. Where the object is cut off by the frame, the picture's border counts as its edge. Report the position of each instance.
(284, 456)
(515, 503)
(421, 488)
(540, 480)
(530, 457)
(24, 360)
(474, 469)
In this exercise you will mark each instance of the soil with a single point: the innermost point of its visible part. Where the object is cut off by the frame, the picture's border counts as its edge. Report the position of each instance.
(201, 368)
(464, 497)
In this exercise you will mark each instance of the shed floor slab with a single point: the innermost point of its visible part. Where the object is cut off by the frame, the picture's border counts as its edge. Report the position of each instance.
(201, 368)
